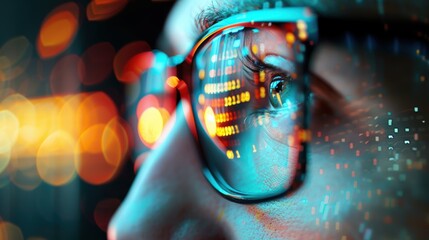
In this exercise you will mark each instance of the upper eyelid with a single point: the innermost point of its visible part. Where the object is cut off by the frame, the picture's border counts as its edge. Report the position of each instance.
(265, 65)
(283, 63)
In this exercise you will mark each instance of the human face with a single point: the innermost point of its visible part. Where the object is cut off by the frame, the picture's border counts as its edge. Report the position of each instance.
(366, 170)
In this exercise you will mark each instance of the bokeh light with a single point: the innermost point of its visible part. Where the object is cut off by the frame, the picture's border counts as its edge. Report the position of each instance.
(115, 141)
(98, 10)
(90, 163)
(136, 66)
(23, 171)
(123, 70)
(9, 126)
(58, 30)
(15, 56)
(146, 102)
(97, 63)
(46, 118)
(111, 147)
(64, 127)
(153, 112)
(10, 231)
(66, 76)
(104, 212)
(25, 111)
(150, 126)
(165, 115)
(49, 139)
(55, 158)
(97, 108)
(67, 116)
(173, 81)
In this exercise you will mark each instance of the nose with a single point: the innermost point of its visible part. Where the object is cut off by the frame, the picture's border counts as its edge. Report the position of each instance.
(170, 199)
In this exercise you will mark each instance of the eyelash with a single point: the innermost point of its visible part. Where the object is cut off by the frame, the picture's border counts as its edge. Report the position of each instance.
(250, 67)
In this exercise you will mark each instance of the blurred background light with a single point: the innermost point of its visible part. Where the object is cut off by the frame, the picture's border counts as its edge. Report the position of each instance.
(115, 130)
(96, 108)
(136, 66)
(98, 10)
(9, 126)
(58, 30)
(55, 158)
(9, 231)
(90, 163)
(150, 126)
(153, 112)
(51, 138)
(66, 76)
(146, 102)
(124, 55)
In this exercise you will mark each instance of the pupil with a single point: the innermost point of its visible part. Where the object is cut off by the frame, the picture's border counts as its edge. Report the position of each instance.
(279, 87)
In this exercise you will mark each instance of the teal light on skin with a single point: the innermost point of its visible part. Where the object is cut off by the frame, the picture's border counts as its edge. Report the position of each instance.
(280, 62)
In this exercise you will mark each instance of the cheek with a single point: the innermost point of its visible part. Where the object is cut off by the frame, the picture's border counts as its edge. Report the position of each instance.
(333, 189)
(359, 181)
(314, 211)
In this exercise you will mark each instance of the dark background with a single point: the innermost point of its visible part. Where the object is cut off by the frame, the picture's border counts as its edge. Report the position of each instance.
(67, 212)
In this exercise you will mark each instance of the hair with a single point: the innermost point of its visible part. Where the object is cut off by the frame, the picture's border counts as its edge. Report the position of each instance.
(219, 10)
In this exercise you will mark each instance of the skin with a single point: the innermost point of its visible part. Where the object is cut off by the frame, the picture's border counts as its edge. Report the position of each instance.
(366, 174)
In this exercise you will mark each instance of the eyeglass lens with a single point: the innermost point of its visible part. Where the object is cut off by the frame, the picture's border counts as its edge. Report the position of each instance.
(248, 95)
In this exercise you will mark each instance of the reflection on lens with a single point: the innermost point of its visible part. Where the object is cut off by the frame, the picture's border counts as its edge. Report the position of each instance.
(210, 123)
(249, 99)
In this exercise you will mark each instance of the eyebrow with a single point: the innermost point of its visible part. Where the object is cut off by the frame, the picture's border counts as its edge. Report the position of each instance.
(280, 63)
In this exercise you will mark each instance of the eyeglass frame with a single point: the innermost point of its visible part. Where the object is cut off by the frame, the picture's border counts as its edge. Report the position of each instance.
(250, 20)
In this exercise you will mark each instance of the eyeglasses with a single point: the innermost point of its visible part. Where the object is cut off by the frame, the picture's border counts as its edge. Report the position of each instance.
(248, 82)
(249, 87)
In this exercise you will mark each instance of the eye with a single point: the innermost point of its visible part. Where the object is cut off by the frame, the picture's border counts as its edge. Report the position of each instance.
(279, 90)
